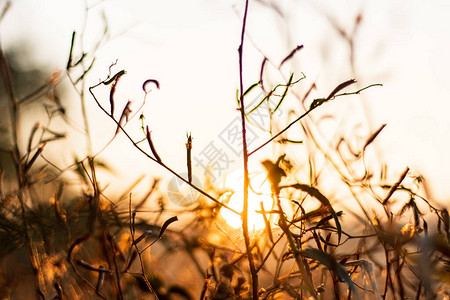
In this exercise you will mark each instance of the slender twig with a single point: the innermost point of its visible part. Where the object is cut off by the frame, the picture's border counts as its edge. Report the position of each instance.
(282, 131)
(135, 247)
(135, 144)
(83, 87)
(307, 112)
(244, 216)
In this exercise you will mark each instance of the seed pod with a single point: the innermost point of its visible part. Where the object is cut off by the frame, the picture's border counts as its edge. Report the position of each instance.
(261, 73)
(373, 136)
(144, 85)
(114, 81)
(35, 156)
(291, 54)
(161, 232)
(188, 154)
(152, 147)
(115, 77)
(142, 236)
(33, 132)
(125, 113)
(395, 186)
(340, 87)
(101, 278)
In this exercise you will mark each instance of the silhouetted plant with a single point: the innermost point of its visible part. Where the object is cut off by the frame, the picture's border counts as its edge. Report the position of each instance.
(81, 244)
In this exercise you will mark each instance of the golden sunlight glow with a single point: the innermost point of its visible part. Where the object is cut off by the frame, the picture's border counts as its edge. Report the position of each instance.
(259, 192)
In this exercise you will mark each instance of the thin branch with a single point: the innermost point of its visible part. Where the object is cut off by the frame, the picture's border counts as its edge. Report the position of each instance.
(329, 98)
(253, 272)
(120, 127)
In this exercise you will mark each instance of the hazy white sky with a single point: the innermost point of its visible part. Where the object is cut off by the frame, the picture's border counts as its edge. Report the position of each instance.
(191, 48)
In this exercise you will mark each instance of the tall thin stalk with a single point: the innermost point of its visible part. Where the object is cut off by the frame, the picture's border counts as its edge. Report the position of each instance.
(244, 216)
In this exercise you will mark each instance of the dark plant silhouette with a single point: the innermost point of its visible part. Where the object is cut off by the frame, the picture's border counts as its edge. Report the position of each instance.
(77, 243)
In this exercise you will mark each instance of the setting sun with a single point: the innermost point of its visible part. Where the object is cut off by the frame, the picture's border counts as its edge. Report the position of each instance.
(259, 192)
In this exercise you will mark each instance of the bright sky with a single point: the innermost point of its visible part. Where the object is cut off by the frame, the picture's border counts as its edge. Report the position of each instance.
(191, 48)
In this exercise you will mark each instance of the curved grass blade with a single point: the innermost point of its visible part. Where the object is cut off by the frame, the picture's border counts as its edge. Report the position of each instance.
(69, 60)
(395, 186)
(290, 55)
(312, 191)
(165, 225)
(284, 141)
(32, 133)
(373, 136)
(272, 92)
(261, 73)
(288, 85)
(250, 88)
(161, 232)
(262, 101)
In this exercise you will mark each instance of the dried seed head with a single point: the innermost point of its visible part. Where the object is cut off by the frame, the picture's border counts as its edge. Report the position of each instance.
(146, 85)
(152, 147)
(189, 141)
